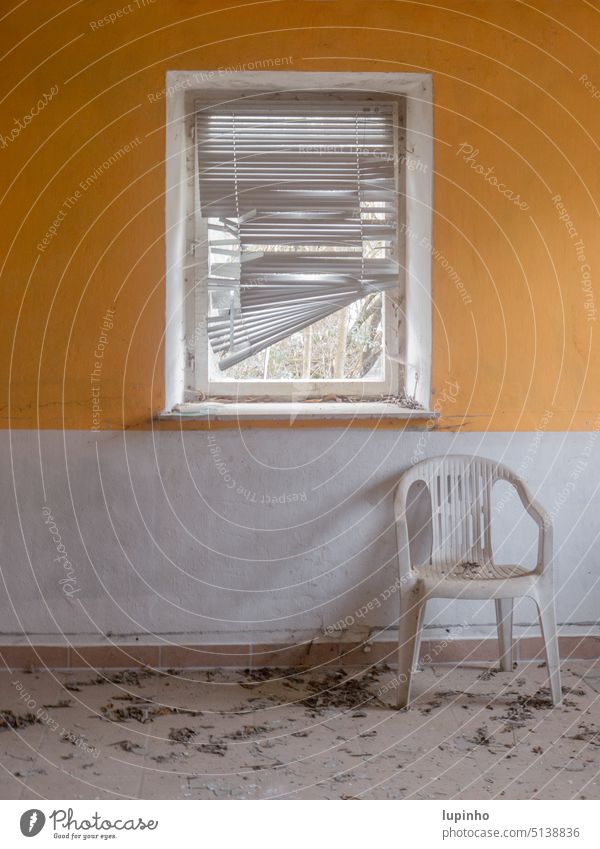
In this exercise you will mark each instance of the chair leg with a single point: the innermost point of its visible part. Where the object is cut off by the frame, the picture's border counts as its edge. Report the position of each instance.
(547, 613)
(411, 604)
(417, 655)
(504, 619)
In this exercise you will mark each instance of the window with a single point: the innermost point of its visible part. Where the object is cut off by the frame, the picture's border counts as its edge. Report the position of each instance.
(288, 269)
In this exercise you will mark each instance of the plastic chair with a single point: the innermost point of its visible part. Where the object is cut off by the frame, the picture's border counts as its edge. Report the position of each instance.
(461, 563)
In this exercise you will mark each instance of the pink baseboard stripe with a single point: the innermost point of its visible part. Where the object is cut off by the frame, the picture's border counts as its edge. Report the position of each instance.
(306, 655)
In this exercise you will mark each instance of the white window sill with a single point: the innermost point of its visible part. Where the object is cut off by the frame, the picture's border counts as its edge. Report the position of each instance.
(283, 410)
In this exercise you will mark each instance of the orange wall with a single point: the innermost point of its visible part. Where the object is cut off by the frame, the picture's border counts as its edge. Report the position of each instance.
(506, 81)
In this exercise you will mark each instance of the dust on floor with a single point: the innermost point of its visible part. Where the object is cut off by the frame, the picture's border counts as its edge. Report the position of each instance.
(301, 734)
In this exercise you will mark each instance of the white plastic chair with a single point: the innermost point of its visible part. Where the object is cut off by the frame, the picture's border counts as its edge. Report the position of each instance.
(461, 563)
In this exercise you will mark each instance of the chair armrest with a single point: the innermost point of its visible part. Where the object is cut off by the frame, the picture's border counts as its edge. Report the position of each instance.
(541, 518)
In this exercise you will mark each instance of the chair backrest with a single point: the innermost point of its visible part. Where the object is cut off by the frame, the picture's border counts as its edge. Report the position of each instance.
(460, 491)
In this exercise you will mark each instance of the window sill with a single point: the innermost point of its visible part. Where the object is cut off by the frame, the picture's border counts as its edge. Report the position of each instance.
(282, 411)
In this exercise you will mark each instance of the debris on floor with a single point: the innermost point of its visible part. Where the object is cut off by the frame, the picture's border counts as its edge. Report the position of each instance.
(181, 735)
(248, 731)
(323, 733)
(8, 719)
(340, 690)
(127, 745)
(482, 736)
(590, 735)
(142, 711)
(213, 747)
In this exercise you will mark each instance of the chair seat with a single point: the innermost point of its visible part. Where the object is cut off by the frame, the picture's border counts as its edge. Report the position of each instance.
(470, 572)
(465, 580)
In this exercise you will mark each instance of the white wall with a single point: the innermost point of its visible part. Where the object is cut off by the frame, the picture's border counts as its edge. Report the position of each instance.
(161, 541)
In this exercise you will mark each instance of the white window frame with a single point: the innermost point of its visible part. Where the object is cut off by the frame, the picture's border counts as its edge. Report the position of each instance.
(411, 354)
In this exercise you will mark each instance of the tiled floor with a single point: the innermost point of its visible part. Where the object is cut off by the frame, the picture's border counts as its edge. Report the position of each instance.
(324, 734)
